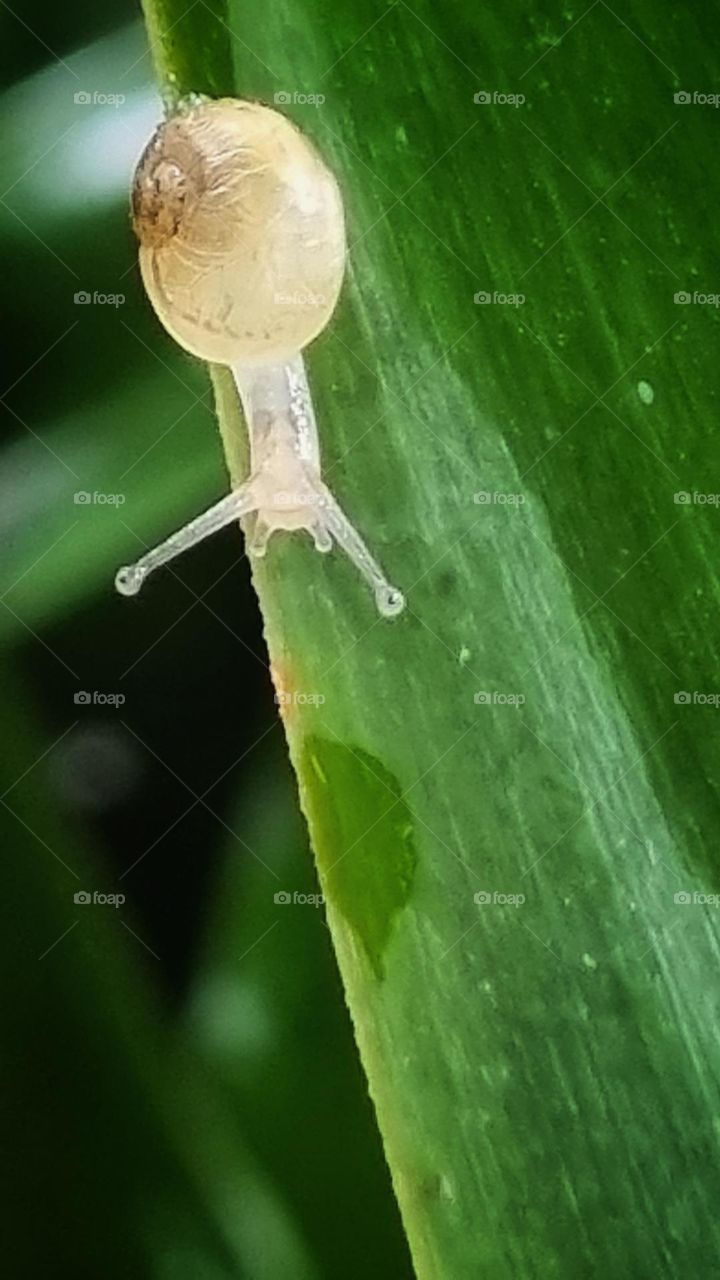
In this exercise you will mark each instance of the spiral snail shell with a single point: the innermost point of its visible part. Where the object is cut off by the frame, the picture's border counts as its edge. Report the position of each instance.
(241, 231)
(242, 254)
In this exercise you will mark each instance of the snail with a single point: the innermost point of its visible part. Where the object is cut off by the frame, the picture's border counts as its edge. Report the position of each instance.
(242, 254)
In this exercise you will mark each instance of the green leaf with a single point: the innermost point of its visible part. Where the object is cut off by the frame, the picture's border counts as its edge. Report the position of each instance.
(542, 1060)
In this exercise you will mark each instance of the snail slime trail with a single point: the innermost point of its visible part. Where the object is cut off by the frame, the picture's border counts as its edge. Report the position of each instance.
(242, 254)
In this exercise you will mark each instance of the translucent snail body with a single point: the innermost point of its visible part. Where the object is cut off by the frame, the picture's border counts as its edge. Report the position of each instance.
(242, 253)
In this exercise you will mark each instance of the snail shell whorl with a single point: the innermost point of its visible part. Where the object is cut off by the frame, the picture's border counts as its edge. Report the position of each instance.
(164, 184)
(241, 230)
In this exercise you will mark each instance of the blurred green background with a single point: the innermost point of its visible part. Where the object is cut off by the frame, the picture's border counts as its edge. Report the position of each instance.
(182, 1096)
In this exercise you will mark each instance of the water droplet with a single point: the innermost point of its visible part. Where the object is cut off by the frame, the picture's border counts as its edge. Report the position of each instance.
(645, 392)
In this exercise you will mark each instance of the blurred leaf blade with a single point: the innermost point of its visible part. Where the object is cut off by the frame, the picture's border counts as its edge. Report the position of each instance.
(266, 1022)
(122, 1139)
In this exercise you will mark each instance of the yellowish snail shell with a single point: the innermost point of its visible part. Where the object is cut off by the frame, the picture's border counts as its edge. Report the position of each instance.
(242, 254)
(235, 212)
